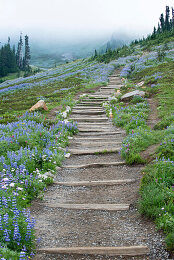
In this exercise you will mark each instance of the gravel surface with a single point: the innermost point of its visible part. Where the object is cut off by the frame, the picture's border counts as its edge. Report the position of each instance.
(101, 173)
(57, 227)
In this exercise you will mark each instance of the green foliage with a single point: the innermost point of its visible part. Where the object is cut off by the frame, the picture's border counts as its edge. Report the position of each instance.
(157, 197)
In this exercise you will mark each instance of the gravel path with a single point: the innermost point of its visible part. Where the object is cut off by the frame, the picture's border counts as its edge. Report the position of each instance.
(56, 227)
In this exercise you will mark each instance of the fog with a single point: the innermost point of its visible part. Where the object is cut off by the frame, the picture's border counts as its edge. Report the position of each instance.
(64, 23)
(74, 19)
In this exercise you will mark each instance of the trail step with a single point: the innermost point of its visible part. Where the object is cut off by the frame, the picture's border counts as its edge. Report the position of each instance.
(95, 144)
(107, 251)
(94, 130)
(86, 107)
(88, 112)
(97, 183)
(94, 165)
(93, 151)
(87, 139)
(83, 119)
(94, 124)
(111, 87)
(90, 133)
(108, 207)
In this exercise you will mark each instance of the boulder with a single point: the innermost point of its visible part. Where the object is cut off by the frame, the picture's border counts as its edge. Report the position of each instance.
(39, 104)
(130, 95)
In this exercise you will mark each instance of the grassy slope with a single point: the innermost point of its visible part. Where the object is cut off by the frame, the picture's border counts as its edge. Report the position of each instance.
(157, 187)
(156, 190)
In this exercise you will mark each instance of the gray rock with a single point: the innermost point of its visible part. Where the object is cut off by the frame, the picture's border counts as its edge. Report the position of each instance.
(130, 95)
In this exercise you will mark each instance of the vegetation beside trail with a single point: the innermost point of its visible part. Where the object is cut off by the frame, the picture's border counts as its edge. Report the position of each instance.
(32, 145)
(156, 78)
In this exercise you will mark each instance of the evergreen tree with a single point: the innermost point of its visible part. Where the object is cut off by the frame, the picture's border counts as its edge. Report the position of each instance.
(7, 60)
(19, 54)
(159, 29)
(96, 54)
(27, 54)
(167, 19)
(172, 17)
(162, 22)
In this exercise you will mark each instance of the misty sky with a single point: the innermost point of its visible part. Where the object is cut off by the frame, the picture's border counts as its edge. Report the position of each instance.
(79, 18)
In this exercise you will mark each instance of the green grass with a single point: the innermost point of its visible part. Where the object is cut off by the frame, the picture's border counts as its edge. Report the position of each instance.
(157, 186)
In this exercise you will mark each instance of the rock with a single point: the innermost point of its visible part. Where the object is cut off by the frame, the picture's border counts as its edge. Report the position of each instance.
(130, 95)
(140, 84)
(39, 104)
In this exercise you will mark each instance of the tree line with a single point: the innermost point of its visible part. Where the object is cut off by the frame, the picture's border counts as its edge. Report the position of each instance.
(13, 61)
(164, 31)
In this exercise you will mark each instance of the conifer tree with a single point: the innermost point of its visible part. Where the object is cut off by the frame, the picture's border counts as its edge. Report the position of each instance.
(167, 19)
(162, 23)
(27, 53)
(19, 54)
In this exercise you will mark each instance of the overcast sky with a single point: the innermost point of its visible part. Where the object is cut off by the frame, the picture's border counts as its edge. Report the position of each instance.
(79, 17)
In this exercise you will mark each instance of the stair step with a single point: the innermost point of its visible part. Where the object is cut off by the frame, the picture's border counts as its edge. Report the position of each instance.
(95, 144)
(88, 112)
(94, 130)
(94, 139)
(107, 251)
(86, 107)
(97, 183)
(108, 207)
(94, 151)
(100, 133)
(94, 165)
(83, 119)
(110, 87)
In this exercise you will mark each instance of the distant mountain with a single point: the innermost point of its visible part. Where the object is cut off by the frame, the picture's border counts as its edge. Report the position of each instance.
(49, 53)
(117, 40)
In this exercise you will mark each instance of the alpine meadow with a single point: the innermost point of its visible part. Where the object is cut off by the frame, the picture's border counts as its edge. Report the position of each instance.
(87, 146)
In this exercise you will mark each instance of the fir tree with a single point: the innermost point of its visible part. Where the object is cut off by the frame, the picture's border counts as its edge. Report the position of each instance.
(167, 19)
(19, 54)
(96, 54)
(162, 22)
(27, 54)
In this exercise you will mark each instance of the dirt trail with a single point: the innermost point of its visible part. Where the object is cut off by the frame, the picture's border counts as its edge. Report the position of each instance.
(93, 213)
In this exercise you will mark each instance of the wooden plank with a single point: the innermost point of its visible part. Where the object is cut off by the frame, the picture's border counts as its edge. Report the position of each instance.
(96, 183)
(86, 107)
(94, 151)
(102, 139)
(83, 119)
(108, 207)
(100, 133)
(93, 165)
(94, 130)
(88, 112)
(107, 251)
(95, 143)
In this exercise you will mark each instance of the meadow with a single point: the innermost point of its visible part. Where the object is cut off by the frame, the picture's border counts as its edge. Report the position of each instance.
(157, 186)
(32, 145)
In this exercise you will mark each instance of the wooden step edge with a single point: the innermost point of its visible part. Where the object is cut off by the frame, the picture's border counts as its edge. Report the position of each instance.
(100, 133)
(90, 206)
(94, 165)
(94, 151)
(95, 139)
(96, 183)
(94, 130)
(107, 251)
(104, 119)
(88, 112)
(95, 143)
